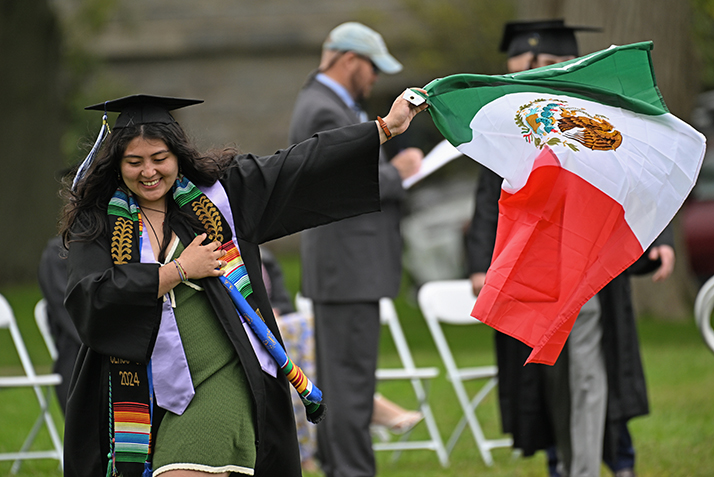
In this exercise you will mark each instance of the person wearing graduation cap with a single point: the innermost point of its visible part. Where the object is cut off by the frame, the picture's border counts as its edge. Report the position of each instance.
(171, 379)
(528, 395)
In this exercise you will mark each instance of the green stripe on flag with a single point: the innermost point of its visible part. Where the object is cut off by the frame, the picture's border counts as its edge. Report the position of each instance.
(620, 76)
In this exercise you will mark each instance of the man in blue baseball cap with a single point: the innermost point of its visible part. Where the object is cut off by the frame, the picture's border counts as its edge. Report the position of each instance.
(346, 269)
(354, 55)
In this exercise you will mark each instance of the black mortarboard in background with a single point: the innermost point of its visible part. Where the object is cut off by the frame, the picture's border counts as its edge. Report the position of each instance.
(143, 109)
(546, 36)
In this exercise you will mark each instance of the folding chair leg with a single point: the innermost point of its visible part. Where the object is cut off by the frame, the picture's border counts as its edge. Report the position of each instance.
(33, 432)
(472, 406)
(435, 443)
(38, 384)
(490, 443)
(54, 435)
(52, 429)
(451, 302)
(439, 448)
(56, 441)
(470, 418)
(397, 453)
(430, 422)
(28, 441)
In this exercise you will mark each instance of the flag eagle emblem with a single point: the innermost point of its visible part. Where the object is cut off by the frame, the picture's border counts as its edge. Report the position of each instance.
(553, 122)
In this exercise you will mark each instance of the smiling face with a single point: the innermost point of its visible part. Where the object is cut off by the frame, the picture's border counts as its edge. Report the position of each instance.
(149, 169)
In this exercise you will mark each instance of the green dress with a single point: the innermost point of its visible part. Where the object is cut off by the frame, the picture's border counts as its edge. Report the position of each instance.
(216, 433)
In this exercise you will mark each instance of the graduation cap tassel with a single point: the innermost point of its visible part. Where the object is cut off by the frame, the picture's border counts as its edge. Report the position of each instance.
(84, 167)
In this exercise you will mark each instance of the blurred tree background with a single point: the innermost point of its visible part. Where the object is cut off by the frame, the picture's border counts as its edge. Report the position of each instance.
(702, 30)
(248, 60)
(45, 67)
(31, 124)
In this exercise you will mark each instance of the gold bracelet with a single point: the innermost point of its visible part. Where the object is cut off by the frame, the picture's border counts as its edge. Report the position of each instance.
(384, 127)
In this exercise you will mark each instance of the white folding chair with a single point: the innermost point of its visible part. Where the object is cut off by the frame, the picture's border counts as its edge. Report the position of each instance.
(417, 376)
(408, 371)
(703, 307)
(44, 326)
(451, 302)
(36, 382)
(303, 304)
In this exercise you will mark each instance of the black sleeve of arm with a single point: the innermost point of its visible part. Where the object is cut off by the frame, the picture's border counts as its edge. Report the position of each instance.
(481, 235)
(644, 265)
(330, 176)
(114, 307)
(390, 182)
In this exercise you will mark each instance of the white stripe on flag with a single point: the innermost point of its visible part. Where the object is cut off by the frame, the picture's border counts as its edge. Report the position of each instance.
(649, 174)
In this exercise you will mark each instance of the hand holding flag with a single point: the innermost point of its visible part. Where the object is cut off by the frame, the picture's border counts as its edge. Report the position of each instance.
(594, 168)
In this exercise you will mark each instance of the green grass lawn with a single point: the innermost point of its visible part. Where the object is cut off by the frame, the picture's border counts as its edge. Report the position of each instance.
(676, 439)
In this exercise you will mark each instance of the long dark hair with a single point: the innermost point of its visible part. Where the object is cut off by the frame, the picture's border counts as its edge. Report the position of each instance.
(84, 217)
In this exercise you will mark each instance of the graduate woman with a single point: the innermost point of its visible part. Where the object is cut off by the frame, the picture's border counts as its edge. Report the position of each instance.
(170, 379)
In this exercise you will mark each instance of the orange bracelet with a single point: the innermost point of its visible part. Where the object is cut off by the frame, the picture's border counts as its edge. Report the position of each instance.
(384, 127)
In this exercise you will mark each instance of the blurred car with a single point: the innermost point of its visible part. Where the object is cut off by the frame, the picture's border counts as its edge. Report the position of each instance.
(698, 210)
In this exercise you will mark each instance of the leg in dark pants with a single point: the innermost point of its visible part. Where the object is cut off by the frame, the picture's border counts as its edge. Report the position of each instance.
(625, 458)
(347, 342)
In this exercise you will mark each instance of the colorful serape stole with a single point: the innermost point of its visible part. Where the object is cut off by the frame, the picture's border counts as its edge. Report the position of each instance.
(130, 388)
(130, 415)
(235, 269)
(132, 431)
(309, 393)
(191, 198)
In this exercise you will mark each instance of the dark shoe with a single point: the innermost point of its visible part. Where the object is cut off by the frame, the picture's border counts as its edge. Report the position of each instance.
(625, 473)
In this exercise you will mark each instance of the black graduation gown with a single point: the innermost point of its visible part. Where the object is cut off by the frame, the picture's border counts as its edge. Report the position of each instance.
(330, 176)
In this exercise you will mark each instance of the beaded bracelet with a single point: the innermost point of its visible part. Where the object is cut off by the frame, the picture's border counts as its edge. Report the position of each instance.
(181, 271)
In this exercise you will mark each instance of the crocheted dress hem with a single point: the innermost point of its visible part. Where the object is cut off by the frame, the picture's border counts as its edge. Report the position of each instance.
(204, 468)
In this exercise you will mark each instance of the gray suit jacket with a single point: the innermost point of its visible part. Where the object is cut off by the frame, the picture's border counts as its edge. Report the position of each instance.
(356, 259)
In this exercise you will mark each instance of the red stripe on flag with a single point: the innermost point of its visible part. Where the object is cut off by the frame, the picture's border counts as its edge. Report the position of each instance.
(559, 241)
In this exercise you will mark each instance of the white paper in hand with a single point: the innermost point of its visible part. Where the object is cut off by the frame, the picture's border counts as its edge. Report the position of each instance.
(442, 153)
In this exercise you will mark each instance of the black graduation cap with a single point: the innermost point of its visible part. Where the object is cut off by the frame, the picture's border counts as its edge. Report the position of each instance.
(133, 110)
(143, 109)
(546, 36)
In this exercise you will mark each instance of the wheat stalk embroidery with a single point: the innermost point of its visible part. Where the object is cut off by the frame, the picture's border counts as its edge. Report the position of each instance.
(209, 216)
(121, 240)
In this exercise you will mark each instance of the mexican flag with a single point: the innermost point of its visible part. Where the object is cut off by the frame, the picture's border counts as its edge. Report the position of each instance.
(594, 168)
